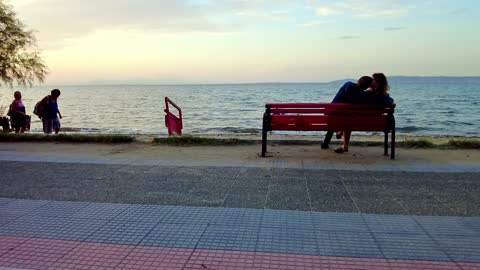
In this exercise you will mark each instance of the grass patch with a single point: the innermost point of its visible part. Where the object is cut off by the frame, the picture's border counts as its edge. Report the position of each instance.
(417, 144)
(70, 138)
(451, 144)
(193, 140)
(461, 144)
(189, 140)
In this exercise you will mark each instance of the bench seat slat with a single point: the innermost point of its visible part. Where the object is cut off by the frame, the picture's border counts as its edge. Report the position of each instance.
(329, 111)
(327, 119)
(351, 125)
(324, 105)
(328, 127)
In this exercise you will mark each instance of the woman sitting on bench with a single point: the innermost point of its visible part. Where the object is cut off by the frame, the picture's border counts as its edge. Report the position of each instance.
(376, 95)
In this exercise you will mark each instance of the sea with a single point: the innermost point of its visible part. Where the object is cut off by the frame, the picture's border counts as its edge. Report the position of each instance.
(441, 106)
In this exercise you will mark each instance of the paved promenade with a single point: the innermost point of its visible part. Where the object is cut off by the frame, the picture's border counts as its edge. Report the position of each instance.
(93, 213)
(41, 234)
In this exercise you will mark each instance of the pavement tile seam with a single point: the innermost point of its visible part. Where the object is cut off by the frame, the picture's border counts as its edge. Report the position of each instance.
(144, 212)
(23, 206)
(454, 226)
(37, 253)
(371, 229)
(439, 246)
(375, 235)
(60, 209)
(233, 184)
(390, 193)
(228, 238)
(101, 211)
(54, 228)
(350, 194)
(268, 190)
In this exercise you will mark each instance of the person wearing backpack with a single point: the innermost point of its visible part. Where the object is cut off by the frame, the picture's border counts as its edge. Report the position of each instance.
(48, 111)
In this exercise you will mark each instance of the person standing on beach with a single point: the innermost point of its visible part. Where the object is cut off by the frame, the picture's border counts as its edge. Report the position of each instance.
(377, 94)
(350, 92)
(51, 113)
(17, 113)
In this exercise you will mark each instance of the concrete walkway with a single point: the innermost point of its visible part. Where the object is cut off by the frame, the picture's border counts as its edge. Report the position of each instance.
(105, 213)
(369, 192)
(263, 163)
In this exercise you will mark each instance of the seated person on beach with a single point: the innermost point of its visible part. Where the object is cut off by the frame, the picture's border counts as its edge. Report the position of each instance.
(17, 113)
(350, 92)
(376, 95)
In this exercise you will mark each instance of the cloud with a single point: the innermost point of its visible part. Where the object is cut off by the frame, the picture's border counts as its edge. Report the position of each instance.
(326, 11)
(349, 37)
(60, 20)
(316, 22)
(368, 8)
(393, 28)
(458, 11)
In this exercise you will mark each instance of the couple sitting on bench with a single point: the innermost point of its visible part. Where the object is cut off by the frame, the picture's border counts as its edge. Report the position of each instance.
(362, 106)
(368, 90)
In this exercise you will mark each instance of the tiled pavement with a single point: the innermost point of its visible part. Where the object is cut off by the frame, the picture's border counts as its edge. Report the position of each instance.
(71, 235)
(396, 216)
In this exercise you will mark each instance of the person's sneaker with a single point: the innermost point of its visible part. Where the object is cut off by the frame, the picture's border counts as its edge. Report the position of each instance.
(324, 146)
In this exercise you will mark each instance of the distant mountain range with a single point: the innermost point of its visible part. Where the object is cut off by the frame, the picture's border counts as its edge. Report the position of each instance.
(430, 79)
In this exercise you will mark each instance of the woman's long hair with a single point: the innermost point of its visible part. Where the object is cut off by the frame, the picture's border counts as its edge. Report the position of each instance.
(382, 84)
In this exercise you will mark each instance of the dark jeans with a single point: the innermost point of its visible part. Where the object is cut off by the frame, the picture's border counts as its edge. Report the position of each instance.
(328, 138)
(47, 125)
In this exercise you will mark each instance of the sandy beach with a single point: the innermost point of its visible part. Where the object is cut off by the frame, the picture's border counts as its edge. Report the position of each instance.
(303, 148)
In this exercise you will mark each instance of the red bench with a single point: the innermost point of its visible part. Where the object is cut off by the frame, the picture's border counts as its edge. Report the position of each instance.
(329, 117)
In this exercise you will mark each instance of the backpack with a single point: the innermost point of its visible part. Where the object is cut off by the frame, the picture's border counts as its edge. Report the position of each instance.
(10, 112)
(39, 109)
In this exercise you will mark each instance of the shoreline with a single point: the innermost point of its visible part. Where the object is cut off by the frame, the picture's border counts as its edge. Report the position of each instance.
(307, 138)
(300, 139)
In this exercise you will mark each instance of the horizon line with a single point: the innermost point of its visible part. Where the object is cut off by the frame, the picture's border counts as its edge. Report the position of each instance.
(242, 83)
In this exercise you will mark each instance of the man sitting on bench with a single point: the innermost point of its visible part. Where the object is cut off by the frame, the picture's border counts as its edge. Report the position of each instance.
(350, 92)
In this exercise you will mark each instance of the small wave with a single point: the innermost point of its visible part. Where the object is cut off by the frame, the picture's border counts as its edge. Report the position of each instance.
(86, 130)
(408, 129)
(71, 129)
(457, 123)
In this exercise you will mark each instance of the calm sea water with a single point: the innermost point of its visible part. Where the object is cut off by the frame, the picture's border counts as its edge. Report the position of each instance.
(422, 108)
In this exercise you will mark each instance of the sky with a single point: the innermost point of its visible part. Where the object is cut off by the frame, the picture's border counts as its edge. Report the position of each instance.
(246, 41)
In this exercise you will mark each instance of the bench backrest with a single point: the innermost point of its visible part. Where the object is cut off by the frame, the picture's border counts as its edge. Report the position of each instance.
(328, 116)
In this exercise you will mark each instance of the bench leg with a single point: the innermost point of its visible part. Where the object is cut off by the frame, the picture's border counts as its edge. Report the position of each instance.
(264, 138)
(385, 145)
(392, 154)
(264, 143)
